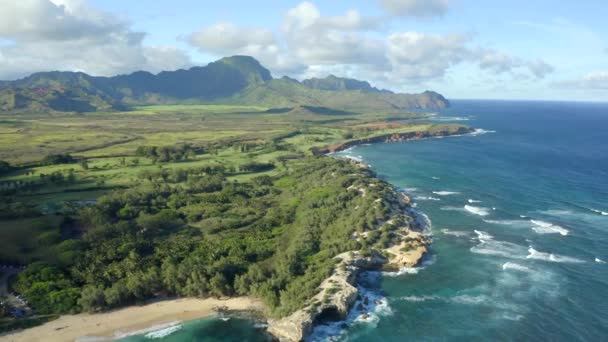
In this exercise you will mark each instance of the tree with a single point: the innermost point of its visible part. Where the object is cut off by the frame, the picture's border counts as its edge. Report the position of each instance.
(5, 167)
(84, 164)
(92, 298)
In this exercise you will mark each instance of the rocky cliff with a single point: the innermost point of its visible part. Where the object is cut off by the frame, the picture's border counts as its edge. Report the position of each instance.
(337, 293)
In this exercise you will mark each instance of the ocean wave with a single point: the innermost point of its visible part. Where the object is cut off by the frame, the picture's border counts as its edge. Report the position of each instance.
(456, 233)
(488, 246)
(477, 210)
(153, 332)
(163, 332)
(536, 255)
(600, 261)
(367, 311)
(473, 201)
(445, 193)
(483, 236)
(480, 131)
(516, 267)
(522, 223)
(425, 198)
(512, 317)
(603, 213)
(451, 208)
(355, 158)
(435, 178)
(464, 299)
(402, 271)
(543, 227)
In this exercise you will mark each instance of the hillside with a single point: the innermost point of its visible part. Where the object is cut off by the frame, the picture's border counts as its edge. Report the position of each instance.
(230, 80)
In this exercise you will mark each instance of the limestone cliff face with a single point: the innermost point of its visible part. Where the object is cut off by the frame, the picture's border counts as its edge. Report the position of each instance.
(338, 292)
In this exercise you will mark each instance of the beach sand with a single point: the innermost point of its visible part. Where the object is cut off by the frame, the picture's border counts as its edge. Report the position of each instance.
(124, 321)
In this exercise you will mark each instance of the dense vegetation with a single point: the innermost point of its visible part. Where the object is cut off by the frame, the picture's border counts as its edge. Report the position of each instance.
(108, 209)
(197, 234)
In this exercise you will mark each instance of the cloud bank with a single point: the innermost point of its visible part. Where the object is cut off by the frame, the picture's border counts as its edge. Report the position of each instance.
(40, 35)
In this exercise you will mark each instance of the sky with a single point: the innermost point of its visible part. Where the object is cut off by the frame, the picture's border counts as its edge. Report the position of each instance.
(533, 49)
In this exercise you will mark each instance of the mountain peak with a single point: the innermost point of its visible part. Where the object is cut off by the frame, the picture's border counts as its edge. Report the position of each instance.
(247, 65)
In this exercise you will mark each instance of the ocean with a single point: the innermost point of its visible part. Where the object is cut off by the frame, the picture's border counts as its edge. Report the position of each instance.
(518, 214)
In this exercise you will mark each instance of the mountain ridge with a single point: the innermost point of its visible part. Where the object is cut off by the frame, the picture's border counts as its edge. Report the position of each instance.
(230, 80)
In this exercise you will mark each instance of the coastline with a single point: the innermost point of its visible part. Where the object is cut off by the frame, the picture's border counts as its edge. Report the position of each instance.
(341, 287)
(130, 320)
(395, 137)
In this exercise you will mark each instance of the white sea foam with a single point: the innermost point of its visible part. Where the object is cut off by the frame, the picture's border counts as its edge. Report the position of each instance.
(367, 311)
(473, 201)
(445, 193)
(435, 178)
(599, 212)
(511, 317)
(488, 246)
(516, 267)
(420, 298)
(543, 227)
(509, 222)
(480, 131)
(163, 332)
(600, 261)
(469, 299)
(160, 330)
(427, 198)
(456, 233)
(465, 299)
(451, 208)
(402, 271)
(534, 254)
(476, 210)
(483, 236)
(355, 158)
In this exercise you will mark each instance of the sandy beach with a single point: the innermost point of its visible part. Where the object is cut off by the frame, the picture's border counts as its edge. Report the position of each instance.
(124, 321)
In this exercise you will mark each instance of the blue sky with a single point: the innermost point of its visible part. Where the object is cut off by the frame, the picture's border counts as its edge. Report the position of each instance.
(462, 48)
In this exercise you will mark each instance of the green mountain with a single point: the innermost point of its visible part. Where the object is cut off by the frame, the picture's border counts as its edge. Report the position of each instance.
(230, 80)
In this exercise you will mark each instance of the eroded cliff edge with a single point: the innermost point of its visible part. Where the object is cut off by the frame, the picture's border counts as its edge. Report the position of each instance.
(402, 244)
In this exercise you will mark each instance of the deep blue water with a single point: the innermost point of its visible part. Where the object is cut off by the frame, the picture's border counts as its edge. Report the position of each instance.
(524, 259)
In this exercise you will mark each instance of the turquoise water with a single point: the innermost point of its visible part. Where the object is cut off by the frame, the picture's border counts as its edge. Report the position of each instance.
(524, 260)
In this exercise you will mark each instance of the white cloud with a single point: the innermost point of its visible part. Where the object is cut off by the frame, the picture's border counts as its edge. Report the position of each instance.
(44, 35)
(420, 56)
(597, 80)
(55, 20)
(315, 39)
(224, 38)
(500, 62)
(416, 8)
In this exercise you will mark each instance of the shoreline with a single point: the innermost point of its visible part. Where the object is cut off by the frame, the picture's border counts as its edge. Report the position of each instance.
(131, 320)
(394, 137)
(169, 313)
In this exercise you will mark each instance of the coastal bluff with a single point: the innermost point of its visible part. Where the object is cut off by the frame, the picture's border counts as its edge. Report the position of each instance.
(395, 137)
(337, 294)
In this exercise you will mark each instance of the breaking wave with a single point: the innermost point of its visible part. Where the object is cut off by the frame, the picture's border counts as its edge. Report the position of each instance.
(425, 198)
(543, 227)
(536, 255)
(457, 233)
(445, 193)
(516, 267)
(477, 210)
(488, 246)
